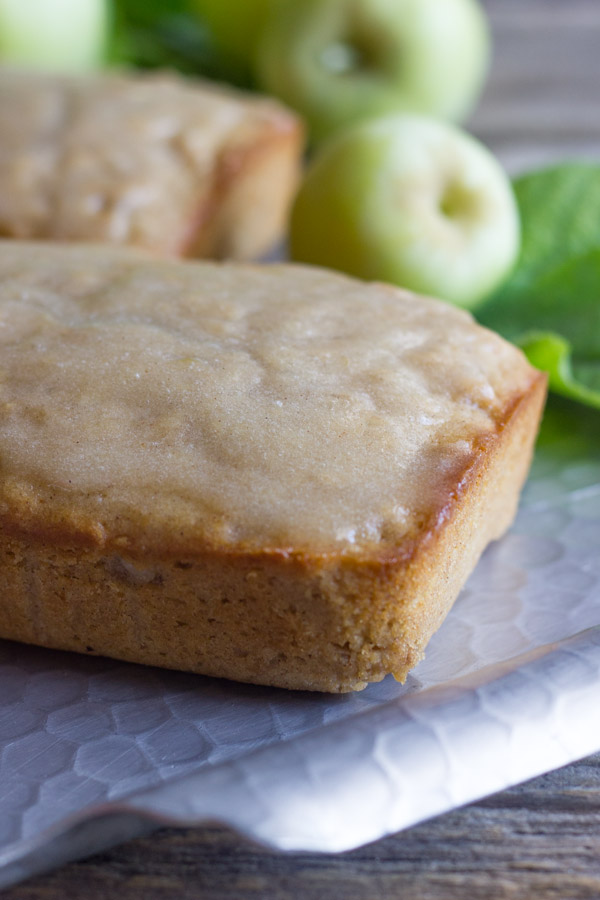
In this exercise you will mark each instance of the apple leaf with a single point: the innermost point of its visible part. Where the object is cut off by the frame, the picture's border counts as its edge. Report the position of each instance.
(165, 34)
(156, 33)
(552, 353)
(550, 305)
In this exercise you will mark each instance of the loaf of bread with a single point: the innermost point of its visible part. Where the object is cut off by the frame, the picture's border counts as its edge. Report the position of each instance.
(177, 167)
(274, 474)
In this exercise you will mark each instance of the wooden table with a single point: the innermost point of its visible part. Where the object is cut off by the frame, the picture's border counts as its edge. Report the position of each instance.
(539, 840)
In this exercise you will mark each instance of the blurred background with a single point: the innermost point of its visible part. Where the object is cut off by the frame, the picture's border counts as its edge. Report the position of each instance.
(541, 99)
(541, 103)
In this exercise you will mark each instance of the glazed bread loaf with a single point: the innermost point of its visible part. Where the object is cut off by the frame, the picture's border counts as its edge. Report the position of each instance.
(274, 474)
(177, 167)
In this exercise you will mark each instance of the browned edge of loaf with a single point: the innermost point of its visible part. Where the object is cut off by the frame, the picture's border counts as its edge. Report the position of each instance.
(254, 183)
(325, 622)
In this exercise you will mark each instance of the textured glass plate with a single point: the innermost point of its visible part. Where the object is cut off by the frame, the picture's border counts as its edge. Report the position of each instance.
(93, 751)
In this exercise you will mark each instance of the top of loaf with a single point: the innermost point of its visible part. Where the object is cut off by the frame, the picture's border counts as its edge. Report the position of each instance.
(128, 159)
(175, 407)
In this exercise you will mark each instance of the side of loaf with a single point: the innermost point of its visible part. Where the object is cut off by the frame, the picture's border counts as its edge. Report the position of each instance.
(273, 474)
(178, 167)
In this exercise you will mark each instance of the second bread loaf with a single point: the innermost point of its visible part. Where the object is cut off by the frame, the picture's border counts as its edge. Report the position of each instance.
(177, 167)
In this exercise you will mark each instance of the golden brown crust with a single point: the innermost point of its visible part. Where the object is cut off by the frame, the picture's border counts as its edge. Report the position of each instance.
(301, 621)
(184, 408)
(275, 474)
(246, 210)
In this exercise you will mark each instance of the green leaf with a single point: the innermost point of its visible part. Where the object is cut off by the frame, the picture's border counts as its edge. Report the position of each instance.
(550, 305)
(552, 353)
(166, 34)
(560, 214)
(569, 431)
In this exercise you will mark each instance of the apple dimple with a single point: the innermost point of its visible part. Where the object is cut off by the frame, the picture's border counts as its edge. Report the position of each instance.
(459, 201)
(341, 58)
(355, 47)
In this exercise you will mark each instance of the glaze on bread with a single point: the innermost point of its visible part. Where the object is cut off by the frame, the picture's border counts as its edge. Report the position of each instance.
(178, 167)
(273, 474)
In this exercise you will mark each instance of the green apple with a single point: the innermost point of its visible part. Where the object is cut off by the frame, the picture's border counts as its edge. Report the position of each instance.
(410, 200)
(235, 26)
(341, 61)
(53, 34)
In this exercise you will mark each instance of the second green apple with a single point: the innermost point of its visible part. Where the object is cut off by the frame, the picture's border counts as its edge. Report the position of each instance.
(410, 200)
(341, 61)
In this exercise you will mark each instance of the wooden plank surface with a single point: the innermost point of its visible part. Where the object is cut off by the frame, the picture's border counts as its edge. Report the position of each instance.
(541, 840)
(542, 101)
